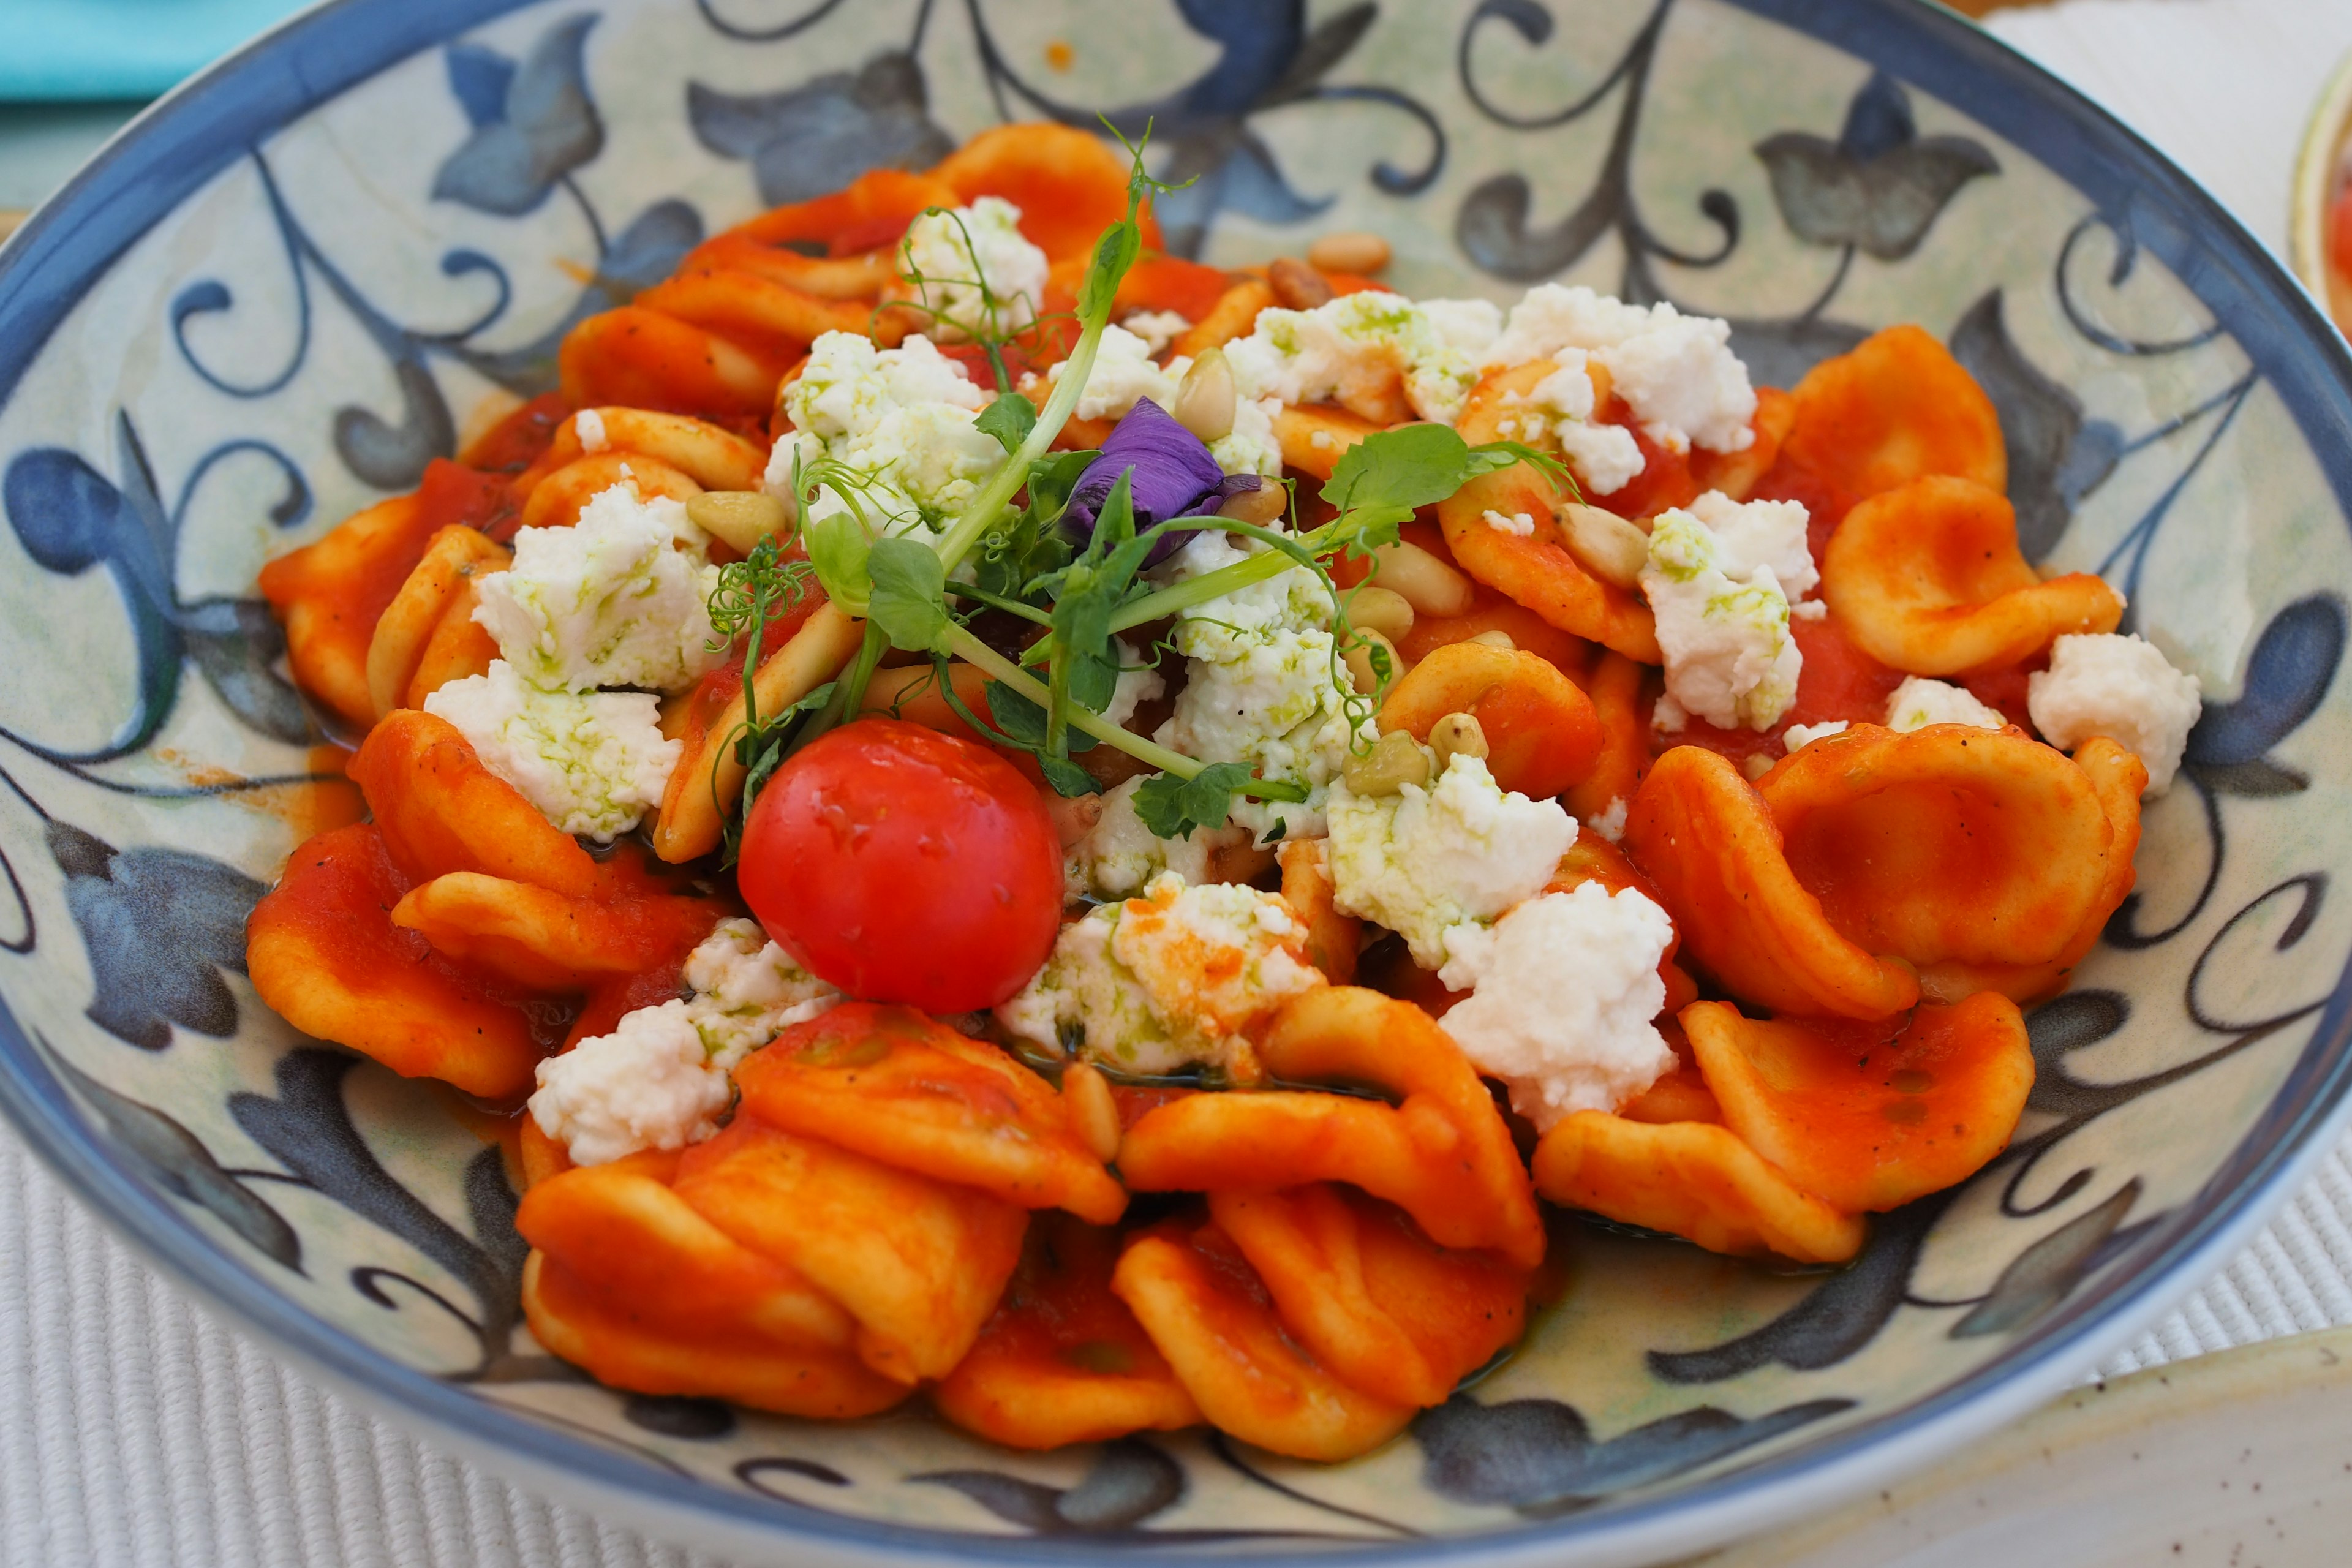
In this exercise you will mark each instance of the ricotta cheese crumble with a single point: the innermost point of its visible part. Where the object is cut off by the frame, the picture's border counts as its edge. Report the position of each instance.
(1563, 991)
(1714, 582)
(1433, 863)
(1168, 981)
(953, 255)
(2121, 687)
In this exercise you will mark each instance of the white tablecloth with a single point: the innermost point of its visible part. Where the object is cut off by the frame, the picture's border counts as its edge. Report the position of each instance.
(136, 1429)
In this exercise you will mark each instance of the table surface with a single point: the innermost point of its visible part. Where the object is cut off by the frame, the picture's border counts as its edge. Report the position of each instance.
(135, 1429)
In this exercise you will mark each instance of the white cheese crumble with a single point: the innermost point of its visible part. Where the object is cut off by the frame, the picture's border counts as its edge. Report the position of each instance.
(1251, 447)
(747, 991)
(1120, 855)
(1677, 373)
(1358, 341)
(1919, 702)
(592, 763)
(607, 602)
(2121, 687)
(1723, 625)
(1797, 737)
(588, 425)
(1160, 983)
(1564, 992)
(1611, 823)
(1431, 863)
(649, 1084)
(1124, 374)
(1157, 329)
(1139, 683)
(1261, 687)
(1559, 406)
(1605, 456)
(948, 256)
(901, 418)
(1520, 523)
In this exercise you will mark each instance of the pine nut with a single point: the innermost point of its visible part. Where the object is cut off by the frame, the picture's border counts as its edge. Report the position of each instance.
(1755, 766)
(1353, 251)
(742, 518)
(1094, 1114)
(1430, 585)
(1495, 637)
(1296, 285)
(1262, 506)
(1457, 735)
(1381, 610)
(1205, 398)
(1358, 660)
(1604, 543)
(1074, 816)
(1395, 761)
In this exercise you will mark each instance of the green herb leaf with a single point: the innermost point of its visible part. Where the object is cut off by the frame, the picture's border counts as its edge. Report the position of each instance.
(1010, 419)
(838, 550)
(1069, 780)
(1052, 478)
(908, 600)
(1171, 806)
(1023, 721)
(1399, 470)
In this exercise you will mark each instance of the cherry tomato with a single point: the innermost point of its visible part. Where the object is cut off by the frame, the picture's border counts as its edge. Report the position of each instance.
(904, 865)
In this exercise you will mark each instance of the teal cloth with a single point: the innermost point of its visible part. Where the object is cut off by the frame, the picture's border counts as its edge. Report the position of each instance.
(55, 51)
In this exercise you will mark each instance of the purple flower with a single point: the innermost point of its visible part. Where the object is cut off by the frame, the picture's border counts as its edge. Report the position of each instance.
(1174, 474)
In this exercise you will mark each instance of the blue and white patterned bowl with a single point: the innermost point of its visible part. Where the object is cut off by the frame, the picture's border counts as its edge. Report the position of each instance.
(299, 278)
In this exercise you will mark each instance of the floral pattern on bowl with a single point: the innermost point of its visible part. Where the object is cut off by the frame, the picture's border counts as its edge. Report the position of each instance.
(301, 279)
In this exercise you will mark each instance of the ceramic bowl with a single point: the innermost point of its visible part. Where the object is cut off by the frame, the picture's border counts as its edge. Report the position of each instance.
(296, 280)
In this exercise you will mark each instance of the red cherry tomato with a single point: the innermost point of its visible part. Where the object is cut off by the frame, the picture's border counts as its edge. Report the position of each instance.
(903, 865)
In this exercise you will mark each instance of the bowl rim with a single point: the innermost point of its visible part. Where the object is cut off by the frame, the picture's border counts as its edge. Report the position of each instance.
(179, 142)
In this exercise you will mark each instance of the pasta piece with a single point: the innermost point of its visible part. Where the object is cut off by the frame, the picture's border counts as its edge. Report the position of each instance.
(330, 594)
(870, 213)
(1373, 1300)
(892, 1084)
(1542, 733)
(620, 1349)
(324, 955)
(1619, 701)
(1681, 1095)
(750, 309)
(453, 558)
(1315, 436)
(1444, 1155)
(2119, 777)
(623, 1232)
(1946, 843)
(1691, 1179)
(1063, 1360)
(458, 647)
(556, 500)
(1703, 836)
(646, 360)
(1206, 1310)
(860, 277)
(1235, 315)
(1536, 569)
(1171, 283)
(546, 940)
(440, 810)
(919, 1263)
(1068, 183)
(1864, 1122)
(1897, 408)
(1332, 938)
(1927, 579)
(710, 777)
(1491, 611)
(1736, 474)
